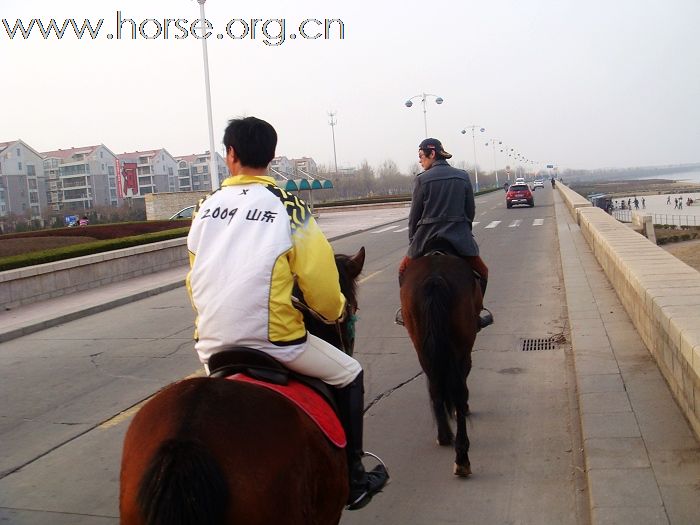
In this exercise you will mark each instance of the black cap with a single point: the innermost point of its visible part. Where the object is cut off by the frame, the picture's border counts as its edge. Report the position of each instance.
(436, 146)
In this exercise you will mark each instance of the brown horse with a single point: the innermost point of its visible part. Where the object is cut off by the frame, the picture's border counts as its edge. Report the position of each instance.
(440, 301)
(214, 451)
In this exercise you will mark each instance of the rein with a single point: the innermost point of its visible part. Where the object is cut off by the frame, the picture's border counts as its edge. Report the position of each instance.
(350, 310)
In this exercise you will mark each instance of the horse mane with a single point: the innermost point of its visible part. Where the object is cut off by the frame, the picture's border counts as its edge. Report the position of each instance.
(348, 285)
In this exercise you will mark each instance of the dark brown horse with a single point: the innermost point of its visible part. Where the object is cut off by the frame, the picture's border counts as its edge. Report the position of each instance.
(215, 451)
(440, 301)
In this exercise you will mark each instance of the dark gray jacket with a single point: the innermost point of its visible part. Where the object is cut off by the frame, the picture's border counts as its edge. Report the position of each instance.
(442, 211)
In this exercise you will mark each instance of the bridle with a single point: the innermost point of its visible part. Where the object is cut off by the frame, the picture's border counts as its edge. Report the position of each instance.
(349, 313)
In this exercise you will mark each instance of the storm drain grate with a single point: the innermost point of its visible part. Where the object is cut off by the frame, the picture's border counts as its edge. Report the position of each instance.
(530, 345)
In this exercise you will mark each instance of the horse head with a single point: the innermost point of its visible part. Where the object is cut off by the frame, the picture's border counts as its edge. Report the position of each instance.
(340, 334)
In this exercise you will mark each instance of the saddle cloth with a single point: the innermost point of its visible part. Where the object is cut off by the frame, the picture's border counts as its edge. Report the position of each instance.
(309, 401)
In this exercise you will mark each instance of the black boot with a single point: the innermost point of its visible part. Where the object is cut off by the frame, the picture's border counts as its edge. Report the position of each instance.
(363, 485)
(485, 316)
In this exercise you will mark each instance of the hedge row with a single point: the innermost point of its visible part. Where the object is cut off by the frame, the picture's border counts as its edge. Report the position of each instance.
(88, 248)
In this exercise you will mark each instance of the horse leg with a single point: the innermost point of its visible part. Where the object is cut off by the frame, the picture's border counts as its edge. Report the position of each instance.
(462, 466)
(445, 436)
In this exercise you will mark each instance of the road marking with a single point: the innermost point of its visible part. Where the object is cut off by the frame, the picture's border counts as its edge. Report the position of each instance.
(515, 223)
(373, 274)
(401, 230)
(538, 222)
(475, 223)
(493, 224)
(123, 416)
(384, 229)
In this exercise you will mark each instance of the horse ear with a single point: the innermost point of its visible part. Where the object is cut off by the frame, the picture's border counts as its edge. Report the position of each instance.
(357, 262)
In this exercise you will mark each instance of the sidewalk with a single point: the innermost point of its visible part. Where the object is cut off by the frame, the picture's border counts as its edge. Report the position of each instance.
(39, 316)
(642, 458)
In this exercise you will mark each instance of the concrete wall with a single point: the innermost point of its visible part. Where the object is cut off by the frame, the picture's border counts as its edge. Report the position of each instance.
(160, 206)
(44, 281)
(660, 293)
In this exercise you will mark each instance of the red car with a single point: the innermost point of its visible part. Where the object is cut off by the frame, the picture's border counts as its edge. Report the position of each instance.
(519, 194)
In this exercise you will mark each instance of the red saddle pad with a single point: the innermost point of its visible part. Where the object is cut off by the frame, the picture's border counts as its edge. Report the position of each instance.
(308, 400)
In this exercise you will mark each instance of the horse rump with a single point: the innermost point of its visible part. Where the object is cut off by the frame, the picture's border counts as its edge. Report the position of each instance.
(183, 485)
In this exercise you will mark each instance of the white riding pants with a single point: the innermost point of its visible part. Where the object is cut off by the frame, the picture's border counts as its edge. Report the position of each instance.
(324, 361)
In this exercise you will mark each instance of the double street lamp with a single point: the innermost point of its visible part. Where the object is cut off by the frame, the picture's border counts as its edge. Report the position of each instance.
(423, 97)
(464, 131)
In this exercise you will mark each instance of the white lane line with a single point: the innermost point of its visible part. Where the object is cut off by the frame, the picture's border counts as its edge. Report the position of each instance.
(493, 224)
(515, 223)
(538, 222)
(384, 229)
(475, 223)
(401, 230)
(373, 274)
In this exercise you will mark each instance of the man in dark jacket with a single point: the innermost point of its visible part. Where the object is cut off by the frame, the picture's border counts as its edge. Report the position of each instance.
(441, 216)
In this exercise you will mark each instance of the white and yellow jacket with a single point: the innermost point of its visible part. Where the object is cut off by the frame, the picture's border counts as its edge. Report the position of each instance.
(248, 243)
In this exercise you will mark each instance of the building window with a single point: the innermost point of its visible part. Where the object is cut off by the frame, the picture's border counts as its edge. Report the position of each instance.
(20, 166)
(110, 171)
(18, 153)
(31, 172)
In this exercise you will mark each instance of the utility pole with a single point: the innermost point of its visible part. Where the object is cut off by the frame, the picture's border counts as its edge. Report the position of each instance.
(333, 121)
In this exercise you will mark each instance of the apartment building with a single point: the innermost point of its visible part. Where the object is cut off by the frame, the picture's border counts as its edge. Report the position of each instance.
(305, 167)
(144, 172)
(193, 172)
(281, 168)
(79, 179)
(22, 181)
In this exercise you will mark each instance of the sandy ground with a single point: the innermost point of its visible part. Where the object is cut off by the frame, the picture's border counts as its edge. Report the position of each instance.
(687, 251)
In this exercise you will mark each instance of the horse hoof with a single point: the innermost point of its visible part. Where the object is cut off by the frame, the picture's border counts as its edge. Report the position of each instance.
(445, 442)
(463, 471)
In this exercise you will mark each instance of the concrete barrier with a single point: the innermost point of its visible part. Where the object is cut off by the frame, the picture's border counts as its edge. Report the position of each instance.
(573, 200)
(45, 281)
(644, 223)
(660, 293)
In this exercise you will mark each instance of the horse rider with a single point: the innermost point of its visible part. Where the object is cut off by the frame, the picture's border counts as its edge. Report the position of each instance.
(441, 216)
(248, 244)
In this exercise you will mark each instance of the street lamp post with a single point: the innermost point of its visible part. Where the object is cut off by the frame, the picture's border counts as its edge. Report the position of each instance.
(476, 170)
(333, 121)
(493, 143)
(423, 97)
(214, 172)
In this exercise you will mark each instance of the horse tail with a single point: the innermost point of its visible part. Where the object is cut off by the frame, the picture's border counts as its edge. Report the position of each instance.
(183, 485)
(442, 368)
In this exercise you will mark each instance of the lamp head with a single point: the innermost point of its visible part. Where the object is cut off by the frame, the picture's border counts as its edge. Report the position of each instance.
(409, 103)
(463, 131)
(439, 100)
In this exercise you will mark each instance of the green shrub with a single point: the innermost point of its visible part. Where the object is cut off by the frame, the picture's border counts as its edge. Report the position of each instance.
(89, 248)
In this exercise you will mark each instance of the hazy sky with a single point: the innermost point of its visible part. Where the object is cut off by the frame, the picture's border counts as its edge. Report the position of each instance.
(580, 84)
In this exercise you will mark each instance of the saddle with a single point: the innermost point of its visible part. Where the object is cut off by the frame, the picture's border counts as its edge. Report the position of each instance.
(260, 366)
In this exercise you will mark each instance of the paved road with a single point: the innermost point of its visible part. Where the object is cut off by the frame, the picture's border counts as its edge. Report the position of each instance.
(67, 395)
(62, 436)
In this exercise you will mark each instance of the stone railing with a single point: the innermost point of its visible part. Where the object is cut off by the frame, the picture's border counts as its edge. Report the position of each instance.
(45, 281)
(660, 293)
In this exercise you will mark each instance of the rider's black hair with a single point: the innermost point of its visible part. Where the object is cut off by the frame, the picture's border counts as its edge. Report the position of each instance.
(253, 140)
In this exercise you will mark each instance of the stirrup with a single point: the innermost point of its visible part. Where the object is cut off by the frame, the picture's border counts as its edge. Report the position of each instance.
(377, 479)
(486, 320)
(398, 317)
